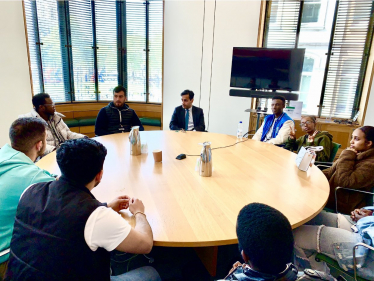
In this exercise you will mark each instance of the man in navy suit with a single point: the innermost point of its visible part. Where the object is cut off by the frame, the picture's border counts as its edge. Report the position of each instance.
(187, 116)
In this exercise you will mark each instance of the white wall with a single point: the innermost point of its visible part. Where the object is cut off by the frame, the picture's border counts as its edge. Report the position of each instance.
(236, 25)
(15, 89)
(369, 117)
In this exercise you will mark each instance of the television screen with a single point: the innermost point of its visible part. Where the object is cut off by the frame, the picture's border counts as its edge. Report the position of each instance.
(263, 68)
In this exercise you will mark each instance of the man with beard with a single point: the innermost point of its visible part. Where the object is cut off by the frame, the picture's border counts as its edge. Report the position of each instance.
(116, 117)
(187, 116)
(17, 172)
(57, 131)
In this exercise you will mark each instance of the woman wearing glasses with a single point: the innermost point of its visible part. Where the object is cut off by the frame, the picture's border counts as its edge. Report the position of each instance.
(313, 137)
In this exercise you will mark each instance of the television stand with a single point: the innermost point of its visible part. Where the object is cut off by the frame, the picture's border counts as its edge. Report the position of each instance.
(261, 94)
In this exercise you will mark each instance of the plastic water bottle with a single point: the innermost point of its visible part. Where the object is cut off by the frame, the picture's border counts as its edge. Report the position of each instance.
(239, 133)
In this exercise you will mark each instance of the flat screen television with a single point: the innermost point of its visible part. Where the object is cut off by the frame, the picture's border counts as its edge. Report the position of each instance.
(267, 68)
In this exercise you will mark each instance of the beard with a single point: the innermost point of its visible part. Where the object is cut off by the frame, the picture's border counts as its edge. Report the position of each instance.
(119, 104)
(42, 150)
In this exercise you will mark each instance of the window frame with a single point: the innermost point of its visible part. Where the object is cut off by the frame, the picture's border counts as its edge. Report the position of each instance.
(63, 7)
(364, 62)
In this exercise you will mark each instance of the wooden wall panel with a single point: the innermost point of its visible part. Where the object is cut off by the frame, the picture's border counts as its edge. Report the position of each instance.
(75, 129)
(151, 128)
(87, 129)
(68, 114)
(89, 113)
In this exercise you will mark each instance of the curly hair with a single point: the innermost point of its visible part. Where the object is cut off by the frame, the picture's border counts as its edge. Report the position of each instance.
(39, 100)
(80, 160)
(265, 236)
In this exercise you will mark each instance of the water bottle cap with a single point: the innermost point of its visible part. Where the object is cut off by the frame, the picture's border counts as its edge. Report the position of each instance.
(240, 122)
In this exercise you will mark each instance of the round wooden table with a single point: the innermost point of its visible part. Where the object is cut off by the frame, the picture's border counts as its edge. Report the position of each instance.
(187, 210)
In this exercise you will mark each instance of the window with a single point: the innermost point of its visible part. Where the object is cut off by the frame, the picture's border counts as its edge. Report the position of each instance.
(80, 50)
(336, 52)
(311, 11)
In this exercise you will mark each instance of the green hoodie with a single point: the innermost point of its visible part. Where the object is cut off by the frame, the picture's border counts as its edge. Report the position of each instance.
(321, 139)
(17, 172)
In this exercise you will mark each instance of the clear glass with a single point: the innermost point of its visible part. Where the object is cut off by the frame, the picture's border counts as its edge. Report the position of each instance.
(107, 59)
(83, 53)
(32, 39)
(51, 49)
(136, 56)
(315, 35)
(155, 51)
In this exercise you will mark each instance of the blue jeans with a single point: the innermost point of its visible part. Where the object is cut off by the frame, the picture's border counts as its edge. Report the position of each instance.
(319, 235)
(145, 273)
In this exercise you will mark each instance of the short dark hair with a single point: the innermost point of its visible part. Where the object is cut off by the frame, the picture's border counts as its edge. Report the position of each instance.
(39, 100)
(80, 160)
(279, 98)
(24, 133)
(369, 133)
(265, 236)
(189, 93)
(120, 88)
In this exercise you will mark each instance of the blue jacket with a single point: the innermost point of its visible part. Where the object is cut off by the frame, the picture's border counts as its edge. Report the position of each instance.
(17, 172)
(178, 119)
(364, 257)
(269, 119)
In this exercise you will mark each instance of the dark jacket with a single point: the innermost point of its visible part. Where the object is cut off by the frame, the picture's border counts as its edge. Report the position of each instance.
(351, 171)
(48, 239)
(178, 119)
(113, 120)
(321, 139)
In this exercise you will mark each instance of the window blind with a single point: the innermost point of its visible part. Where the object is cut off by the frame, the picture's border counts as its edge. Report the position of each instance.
(82, 49)
(348, 58)
(348, 50)
(281, 24)
(155, 50)
(106, 37)
(45, 48)
(136, 49)
(34, 48)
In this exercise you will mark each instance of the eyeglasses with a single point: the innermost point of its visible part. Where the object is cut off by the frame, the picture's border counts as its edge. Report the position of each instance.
(305, 123)
(49, 104)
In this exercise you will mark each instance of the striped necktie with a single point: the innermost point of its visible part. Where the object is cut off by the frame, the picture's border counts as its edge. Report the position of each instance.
(187, 118)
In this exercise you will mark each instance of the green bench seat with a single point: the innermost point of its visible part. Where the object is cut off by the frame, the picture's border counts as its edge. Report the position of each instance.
(71, 122)
(150, 121)
(86, 121)
(80, 122)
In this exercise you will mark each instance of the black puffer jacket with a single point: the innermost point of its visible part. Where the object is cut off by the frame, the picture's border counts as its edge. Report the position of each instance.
(113, 120)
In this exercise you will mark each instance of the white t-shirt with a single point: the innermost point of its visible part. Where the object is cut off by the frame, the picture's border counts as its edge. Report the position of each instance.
(270, 132)
(106, 229)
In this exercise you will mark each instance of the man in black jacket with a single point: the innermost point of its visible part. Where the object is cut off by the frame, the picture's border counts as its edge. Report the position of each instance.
(116, 117)
(186, 116)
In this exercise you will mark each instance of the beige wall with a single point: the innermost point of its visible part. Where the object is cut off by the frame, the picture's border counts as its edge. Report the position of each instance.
(369, 117)
(15, 89)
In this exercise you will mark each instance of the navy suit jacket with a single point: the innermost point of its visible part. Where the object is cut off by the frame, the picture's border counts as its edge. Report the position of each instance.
(178, 119)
